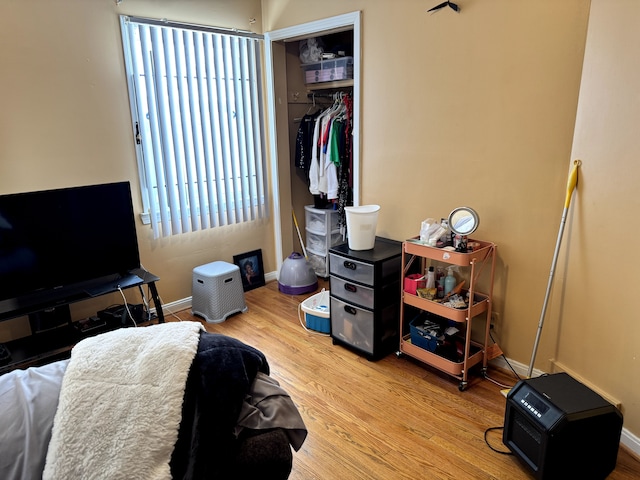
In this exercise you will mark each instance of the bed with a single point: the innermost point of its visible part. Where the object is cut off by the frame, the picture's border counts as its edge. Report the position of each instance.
(165, 401)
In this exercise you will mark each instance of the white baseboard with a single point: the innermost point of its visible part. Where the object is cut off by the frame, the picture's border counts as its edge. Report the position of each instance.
(185, 303)
(171, 308)
(520, 368)
(270, 276)
(627, 438)
(630, 441)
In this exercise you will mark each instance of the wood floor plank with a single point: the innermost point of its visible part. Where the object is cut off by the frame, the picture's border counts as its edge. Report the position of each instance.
(394, 418)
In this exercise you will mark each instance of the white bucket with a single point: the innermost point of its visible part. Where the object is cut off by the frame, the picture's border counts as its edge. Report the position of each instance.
(361, 226)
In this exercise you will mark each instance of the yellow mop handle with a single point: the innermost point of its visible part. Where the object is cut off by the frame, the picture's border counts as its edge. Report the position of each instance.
(571, 183)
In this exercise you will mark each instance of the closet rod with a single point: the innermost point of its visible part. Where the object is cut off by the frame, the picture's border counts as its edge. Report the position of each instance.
(323, 95)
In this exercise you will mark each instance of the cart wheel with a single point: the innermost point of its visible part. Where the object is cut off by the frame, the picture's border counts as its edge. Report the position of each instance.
(484, 372)
(399, 354)
(463, 386)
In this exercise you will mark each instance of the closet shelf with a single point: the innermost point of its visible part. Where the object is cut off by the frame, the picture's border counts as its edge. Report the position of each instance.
(328, 85)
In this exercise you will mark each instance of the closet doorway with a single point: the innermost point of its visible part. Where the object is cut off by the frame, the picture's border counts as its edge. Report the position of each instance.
(281, 121)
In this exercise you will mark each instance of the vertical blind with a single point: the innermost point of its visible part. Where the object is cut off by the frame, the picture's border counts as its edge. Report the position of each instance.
(196, 103)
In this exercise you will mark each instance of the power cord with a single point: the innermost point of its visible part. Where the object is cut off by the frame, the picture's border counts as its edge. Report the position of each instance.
(501, 385)
(491, 429)
(126, 306)
(518, 378)
(506, 361)
(486, 440)
(146, 301)
(172, 313)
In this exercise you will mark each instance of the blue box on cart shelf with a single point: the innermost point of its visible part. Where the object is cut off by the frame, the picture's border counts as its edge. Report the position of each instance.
(427, 331)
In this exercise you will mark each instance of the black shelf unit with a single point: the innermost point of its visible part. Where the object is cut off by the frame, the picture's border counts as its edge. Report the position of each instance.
(56, 343)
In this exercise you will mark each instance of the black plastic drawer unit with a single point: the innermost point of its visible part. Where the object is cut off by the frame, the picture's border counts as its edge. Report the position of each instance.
(365, 297)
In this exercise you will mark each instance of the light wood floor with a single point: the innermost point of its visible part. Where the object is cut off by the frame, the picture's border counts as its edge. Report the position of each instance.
(390, 419)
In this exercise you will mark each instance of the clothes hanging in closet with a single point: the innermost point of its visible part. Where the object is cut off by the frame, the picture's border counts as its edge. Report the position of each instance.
(345, 177)
(303, 140)
(330, 151)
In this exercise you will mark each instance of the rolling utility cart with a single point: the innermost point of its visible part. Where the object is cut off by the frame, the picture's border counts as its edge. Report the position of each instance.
(471, 352)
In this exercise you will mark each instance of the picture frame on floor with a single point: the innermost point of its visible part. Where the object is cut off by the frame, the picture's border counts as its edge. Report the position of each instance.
(251, 269)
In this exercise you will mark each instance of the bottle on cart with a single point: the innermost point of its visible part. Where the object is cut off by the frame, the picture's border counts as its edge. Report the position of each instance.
(449, 281)
(440, 282)
(431, 278)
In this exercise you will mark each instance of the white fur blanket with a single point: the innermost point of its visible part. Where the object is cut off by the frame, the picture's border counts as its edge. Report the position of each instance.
(121, 403)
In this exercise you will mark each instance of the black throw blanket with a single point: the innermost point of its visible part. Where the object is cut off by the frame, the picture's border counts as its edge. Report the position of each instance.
(221, 375)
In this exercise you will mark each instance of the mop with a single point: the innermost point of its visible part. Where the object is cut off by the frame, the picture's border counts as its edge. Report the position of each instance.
(571, 184)
(295, 221)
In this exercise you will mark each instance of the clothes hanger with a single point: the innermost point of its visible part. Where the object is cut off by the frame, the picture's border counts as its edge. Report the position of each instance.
(451, 5)
(335, 106)
(313, 106)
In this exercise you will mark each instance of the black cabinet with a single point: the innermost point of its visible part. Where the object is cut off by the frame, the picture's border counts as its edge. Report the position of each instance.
(365, 297)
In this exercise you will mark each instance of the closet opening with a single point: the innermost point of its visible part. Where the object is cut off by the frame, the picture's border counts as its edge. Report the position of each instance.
(302, 90)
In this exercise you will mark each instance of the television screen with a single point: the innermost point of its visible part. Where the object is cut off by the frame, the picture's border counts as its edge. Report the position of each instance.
(54, 240)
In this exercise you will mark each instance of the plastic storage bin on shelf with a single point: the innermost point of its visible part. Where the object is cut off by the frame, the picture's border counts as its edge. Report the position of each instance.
(425, 334)
(320, 220)
(414, 282)
(328, 70)
(318, 242)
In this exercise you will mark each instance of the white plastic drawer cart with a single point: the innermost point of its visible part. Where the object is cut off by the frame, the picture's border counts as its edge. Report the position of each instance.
(322, 233)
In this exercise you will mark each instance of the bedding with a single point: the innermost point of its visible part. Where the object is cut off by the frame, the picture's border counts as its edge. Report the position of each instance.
(233, 417)
(28, 402)
(122, 390)
(222, 379)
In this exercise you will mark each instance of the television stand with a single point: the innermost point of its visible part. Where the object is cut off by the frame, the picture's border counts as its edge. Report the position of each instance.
(55, 343)
(127, 280)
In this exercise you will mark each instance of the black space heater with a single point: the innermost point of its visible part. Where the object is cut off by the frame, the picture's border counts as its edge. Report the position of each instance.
(561, 429)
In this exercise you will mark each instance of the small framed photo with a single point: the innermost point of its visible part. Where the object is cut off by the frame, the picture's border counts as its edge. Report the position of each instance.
(251, 269)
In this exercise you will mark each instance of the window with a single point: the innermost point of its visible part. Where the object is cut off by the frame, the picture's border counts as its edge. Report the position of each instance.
(196, 104)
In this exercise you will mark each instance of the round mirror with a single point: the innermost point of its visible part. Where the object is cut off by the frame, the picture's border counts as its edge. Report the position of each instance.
(463, 221)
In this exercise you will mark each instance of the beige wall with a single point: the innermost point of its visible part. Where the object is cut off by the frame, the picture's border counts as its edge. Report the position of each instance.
(476, 108)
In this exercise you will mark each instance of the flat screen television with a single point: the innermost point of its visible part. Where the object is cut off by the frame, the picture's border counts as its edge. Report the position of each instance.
(65, 244)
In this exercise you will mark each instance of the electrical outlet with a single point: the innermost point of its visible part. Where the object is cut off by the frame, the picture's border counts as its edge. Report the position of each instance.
(495, 320)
